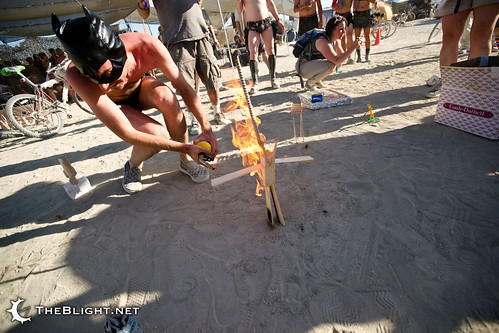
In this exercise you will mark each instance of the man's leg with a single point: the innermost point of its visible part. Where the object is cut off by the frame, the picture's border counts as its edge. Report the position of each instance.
(357, 35)
(484, 18)
(367, 36)
(253, 42)
(268, 40)
(452, 29)
(349, 41)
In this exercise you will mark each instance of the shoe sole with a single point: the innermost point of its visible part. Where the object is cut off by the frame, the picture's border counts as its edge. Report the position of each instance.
(127, 190)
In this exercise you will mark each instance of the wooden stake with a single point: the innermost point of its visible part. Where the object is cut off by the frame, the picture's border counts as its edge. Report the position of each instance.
(294, 109)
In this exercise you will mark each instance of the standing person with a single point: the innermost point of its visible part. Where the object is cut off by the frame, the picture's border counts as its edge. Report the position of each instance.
(454, 14)
(107, 71)
(240, 22)
(363, 20)
(310, 15)
(259, 25)
(324, 53)
(345, 8)
(185, 35)
(53, 57)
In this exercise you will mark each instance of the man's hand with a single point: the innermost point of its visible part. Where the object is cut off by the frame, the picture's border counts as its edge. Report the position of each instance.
(210, 137)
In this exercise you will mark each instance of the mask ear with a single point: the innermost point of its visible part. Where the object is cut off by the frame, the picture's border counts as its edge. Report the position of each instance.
(56, 24)
(90, 15)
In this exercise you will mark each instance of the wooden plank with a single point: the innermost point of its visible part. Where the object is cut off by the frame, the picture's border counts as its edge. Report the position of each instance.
(277, 206)
(235, 174)
(294, 159)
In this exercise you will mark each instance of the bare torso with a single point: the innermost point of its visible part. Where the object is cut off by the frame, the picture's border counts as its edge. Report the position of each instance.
(255, 10)
(363, 5)
(308, 7)
(346, 6)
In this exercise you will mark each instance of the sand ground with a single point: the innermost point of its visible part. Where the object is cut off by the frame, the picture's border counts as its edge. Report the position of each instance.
(394, 227)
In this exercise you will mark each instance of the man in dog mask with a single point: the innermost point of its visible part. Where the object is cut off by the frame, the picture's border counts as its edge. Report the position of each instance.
(107, 71)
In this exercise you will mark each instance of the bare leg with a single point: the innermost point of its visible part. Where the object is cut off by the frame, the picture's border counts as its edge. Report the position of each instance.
(452, 27)
(481, 30)
(154, 94)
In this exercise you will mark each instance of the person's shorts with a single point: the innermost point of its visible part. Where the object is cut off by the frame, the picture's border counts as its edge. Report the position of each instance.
(363, 19)
(307, 23)
(194, 57)
(447, 7)
(259, 26)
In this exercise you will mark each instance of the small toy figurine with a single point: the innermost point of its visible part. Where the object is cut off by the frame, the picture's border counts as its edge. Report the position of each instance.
(372, 119)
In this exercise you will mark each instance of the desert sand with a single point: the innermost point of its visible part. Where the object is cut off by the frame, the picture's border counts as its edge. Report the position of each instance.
(394, 227)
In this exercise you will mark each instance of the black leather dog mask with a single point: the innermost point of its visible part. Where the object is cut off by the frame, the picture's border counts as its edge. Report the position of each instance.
(90, 42)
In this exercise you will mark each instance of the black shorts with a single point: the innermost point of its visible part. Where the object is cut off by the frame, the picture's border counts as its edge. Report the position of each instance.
(259, 26)
(307, 23)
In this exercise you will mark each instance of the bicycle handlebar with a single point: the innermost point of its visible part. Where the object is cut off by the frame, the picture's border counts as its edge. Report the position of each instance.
(8, 71)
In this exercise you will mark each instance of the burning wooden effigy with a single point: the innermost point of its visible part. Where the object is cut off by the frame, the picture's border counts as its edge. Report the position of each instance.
(257, 153)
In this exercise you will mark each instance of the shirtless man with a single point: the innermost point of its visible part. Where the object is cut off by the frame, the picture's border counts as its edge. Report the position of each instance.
(259, 25)
(107, 71)
(345, 8)
(363, 20)
(308, 15)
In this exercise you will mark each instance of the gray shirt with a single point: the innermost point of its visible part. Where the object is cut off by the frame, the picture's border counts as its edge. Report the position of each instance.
(182, 20)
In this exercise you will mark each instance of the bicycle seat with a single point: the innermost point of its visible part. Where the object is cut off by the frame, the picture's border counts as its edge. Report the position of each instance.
(7, 71)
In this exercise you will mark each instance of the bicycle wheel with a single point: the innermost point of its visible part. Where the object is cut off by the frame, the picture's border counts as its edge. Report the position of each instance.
(81, 103)
(385, 29)
(435, 31)
(33, 121)
(393, 28)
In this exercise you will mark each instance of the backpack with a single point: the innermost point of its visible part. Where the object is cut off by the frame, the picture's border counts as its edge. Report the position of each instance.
(305, 39)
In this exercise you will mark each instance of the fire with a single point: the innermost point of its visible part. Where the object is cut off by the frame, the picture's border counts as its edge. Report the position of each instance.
(244, 135)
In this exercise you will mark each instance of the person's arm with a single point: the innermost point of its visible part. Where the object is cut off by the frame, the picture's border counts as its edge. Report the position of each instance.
(240, 6)
(336, 56)
(212, 32)
(275, 14)
(143, 8)
(297, 7)
(319, 12)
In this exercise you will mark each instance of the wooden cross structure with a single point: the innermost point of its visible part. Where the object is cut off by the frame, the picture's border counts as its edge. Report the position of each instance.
(266, 164)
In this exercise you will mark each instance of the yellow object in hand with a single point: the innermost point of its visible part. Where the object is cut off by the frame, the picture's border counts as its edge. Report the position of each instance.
(204, 144)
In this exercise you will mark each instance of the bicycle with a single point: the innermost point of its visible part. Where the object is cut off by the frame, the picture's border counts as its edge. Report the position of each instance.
(38, 115)
(387, 27)
(435, 31)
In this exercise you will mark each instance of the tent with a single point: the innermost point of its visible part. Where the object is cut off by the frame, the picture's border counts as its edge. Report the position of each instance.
(25, 18)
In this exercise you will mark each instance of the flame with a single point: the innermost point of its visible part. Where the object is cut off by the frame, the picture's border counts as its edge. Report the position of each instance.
(244, 135)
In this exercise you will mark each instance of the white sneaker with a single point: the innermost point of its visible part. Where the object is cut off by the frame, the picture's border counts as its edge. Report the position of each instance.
(220, 119)
(275, 84)
(432, 81)
(320, 85)
(195, 128)
(254, 89)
